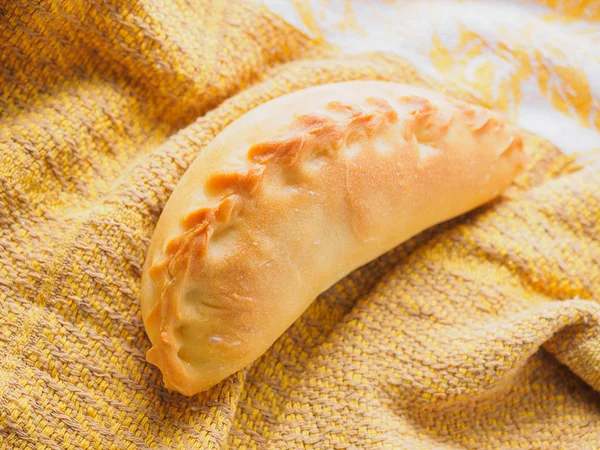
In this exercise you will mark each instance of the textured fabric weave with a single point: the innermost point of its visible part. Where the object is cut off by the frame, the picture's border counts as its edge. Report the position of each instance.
(481, 333)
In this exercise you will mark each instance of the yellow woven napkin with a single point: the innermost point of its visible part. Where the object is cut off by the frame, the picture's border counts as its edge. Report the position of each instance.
(481, 333)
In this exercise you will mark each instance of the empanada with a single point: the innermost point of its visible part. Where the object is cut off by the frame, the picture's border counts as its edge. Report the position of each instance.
(293, 196)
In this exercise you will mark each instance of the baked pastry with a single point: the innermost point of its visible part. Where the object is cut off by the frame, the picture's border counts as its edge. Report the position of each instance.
(293, 196)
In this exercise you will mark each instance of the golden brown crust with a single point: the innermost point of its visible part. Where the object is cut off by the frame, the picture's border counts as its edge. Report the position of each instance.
(305, 134)
(232, 196)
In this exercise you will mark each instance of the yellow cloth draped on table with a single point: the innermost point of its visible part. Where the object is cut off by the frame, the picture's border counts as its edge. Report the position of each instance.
(481, 333)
